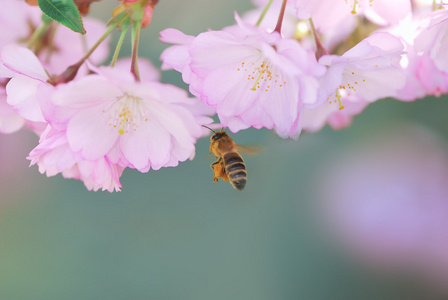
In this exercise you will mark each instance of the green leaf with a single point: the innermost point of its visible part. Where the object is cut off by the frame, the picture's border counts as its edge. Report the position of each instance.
(64, 12)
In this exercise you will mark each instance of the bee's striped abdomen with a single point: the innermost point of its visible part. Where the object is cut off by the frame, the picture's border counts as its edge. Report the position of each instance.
(235, 169)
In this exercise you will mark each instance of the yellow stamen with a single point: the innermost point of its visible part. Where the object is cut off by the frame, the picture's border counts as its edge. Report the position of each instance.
(256, 81)
(339, 100)
(354, 7)
(123, 123)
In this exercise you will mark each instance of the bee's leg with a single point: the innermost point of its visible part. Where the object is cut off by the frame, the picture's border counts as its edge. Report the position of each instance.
(219, 171)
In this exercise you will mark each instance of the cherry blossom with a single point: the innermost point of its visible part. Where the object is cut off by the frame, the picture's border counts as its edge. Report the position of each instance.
(139, 125)
(367, 72)
(252, 77)
(370, 70)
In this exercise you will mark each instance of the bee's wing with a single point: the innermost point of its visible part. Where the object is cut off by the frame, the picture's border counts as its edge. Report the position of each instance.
(249, 149)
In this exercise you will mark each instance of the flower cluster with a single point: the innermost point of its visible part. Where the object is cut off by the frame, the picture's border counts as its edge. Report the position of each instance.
(102, 120)
(316, 70)
(287, 66)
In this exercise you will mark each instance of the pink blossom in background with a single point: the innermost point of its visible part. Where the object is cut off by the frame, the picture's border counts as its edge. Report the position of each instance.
(252, 78)
(293, 27)
(329, 14)
(385, 201)
(17, 15)
(139, 125)
(68, 46)
(270, 19)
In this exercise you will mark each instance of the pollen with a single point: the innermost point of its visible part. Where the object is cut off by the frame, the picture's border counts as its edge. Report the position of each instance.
(125, 114)
(350, 82)
(261, 74)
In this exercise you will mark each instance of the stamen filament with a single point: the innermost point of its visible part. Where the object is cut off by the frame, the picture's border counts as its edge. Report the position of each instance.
(339, 100)
(256, 81)
(354, 7)
(123, 123)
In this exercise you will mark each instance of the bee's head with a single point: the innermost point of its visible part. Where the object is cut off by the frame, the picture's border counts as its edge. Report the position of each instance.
(217, 135)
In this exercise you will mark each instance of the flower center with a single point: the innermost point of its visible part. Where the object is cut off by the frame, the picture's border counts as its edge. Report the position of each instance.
(355, 3)
(263, 75)
(350, 81)
(126, 114)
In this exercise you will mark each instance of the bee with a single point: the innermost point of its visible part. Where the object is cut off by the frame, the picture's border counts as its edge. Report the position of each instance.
(230, 165)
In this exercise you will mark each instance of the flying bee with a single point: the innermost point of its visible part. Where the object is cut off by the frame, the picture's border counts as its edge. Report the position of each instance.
(230, 165)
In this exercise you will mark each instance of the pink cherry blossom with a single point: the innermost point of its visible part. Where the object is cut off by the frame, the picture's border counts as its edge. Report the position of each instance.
(53, 156)
(66, 48)
(252, 77)
(367, 72)
(371, 70)
(139, 125)
(17, 15)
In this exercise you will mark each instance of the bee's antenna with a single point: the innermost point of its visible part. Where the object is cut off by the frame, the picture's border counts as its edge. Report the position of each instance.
(209, 128)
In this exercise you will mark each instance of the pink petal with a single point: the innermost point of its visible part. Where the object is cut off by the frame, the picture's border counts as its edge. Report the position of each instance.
(90, 132)
(21, 92)
(23, 61)
(86, 92)
(148, 146)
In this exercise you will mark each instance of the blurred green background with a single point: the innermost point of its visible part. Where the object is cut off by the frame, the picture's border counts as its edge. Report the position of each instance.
(174, 234)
